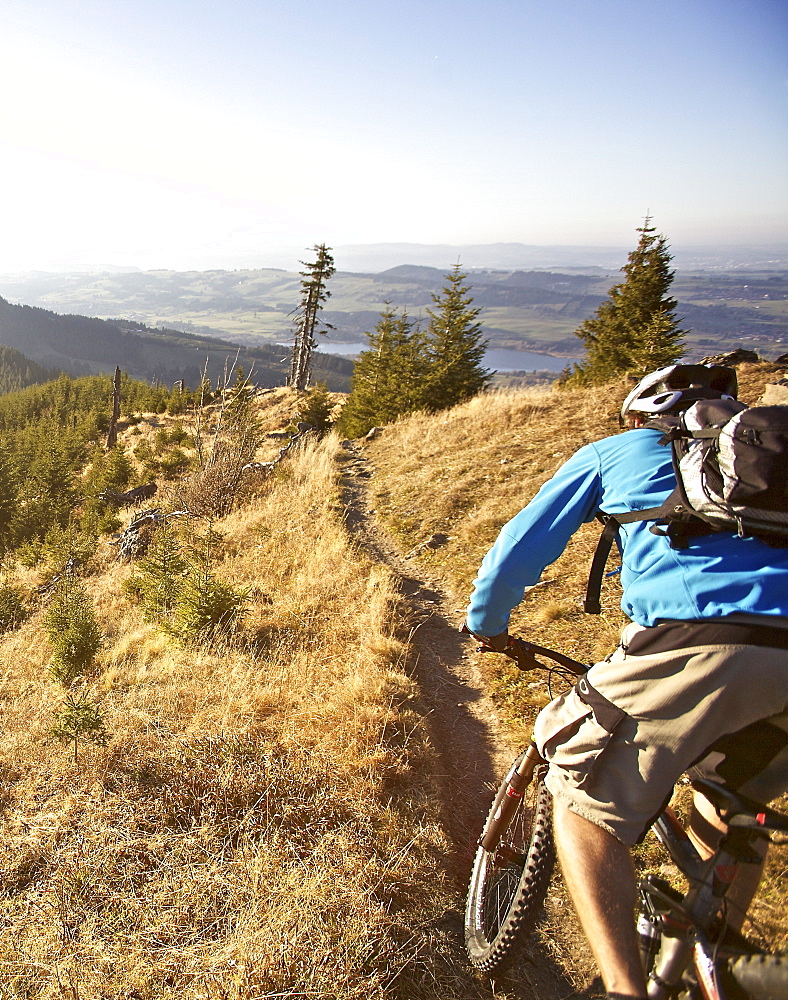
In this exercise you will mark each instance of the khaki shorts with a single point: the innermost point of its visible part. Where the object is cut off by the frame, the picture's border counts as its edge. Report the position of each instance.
(620, 739)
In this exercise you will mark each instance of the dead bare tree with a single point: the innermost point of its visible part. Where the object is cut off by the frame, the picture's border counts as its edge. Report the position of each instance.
(313, 295)
(112, 435)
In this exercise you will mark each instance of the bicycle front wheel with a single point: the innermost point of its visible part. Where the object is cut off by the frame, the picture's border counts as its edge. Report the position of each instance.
(509, 885)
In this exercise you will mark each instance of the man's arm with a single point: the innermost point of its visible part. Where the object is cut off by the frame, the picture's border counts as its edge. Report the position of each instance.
(532, 540)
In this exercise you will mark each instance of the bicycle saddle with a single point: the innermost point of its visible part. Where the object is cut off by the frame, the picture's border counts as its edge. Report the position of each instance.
(738, 810)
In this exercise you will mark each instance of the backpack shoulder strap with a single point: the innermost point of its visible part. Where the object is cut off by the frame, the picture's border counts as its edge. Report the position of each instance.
(611, 522)
(676, 511)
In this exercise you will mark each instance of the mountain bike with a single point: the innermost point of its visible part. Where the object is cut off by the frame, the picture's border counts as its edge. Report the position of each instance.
(686, 948)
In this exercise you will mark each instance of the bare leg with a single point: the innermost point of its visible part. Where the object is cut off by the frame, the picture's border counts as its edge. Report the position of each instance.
(600, 876)
(705, 829)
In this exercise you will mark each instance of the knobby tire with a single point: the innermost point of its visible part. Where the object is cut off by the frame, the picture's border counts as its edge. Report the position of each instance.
(508, 888)
(756, 977)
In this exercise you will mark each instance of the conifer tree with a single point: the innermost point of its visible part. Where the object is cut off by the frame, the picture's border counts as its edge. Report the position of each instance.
(159, 574)
(635, 329)
(455, 347)
(313, 295)
(47, 493)
(111, 472)
(388, 378)
(204, 606)
(8, 496)
(72, 629)
(316, 408)
(79, 720)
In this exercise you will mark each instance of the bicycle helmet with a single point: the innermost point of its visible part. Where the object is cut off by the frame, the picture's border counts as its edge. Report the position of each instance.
(678, 386)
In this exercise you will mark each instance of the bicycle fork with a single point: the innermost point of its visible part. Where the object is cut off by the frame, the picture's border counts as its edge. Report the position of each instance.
(520, 779)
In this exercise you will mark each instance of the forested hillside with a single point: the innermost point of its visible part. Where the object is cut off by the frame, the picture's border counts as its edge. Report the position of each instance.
(82, 345)
(17, 371)
(214, 781)
(53, 466)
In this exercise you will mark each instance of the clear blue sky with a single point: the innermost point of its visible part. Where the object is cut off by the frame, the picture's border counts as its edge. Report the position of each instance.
(187, 133)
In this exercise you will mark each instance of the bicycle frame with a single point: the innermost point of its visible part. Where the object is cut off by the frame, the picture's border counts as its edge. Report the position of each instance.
(684, 925)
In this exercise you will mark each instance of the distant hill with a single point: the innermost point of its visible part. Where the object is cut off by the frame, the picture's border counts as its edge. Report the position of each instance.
(375, 257)
(522, 309)
(81, 345)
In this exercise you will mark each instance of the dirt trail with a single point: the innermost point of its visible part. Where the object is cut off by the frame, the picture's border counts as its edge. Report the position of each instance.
(464, 728)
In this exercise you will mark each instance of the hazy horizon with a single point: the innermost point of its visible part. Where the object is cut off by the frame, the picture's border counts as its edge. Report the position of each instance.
(378, 257)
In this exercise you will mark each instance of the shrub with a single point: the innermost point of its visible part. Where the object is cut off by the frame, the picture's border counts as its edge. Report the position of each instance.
(174, 462)
(74, 544)
(204, 606)
(159, 575)
(79, 720)
(220, 481)
(316, 408)
(179, 590)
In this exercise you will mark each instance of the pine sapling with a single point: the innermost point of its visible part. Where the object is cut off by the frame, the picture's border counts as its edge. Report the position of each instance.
(79, 720)
(204, 606)
(73, 631)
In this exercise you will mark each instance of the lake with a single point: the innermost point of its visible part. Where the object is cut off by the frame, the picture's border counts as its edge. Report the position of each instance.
(499, 360)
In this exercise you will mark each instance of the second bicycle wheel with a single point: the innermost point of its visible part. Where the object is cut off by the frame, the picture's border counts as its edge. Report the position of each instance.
(508, 886)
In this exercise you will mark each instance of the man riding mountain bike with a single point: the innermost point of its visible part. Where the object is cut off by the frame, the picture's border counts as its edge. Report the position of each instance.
(699, 681)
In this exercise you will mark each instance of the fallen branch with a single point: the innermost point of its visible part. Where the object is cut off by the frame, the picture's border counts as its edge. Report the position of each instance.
(266, 468)
(144, 492)
(134, 540)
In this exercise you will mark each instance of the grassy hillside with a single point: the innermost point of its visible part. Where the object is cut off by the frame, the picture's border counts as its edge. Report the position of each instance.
(261, 819)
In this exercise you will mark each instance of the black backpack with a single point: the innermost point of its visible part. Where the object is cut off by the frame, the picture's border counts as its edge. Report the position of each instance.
(731, 467)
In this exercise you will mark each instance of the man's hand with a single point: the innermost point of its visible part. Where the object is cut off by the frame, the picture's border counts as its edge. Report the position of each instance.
(498, 643)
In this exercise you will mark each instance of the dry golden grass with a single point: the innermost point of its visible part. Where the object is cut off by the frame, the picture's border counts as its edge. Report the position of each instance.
(262, 822)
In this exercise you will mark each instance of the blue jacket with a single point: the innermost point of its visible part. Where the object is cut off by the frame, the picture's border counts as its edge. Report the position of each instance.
(717, 575)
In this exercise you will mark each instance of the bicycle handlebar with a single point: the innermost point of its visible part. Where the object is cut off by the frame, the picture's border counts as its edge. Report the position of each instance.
(524, 654)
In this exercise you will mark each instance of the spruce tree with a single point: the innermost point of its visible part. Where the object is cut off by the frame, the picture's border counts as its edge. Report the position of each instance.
(388, 378)
(455, 348)
(80, 720)
(635, 330)
(9, 486)
(159, 575)
(316, 409)
(205, 606)
(72, 629)
(47, 492)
